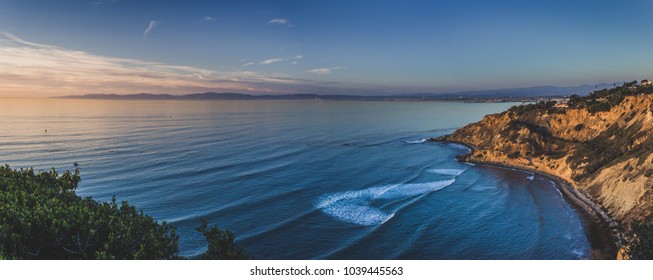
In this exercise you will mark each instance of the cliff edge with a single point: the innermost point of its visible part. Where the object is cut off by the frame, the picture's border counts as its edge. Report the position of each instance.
(601, 144)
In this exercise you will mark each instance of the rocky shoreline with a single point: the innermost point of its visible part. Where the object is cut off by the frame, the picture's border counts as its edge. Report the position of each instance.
(603, 231)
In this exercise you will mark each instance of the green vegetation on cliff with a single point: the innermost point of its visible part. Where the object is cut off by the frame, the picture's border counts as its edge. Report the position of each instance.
(614, 144)
(598, 101)
(601, 143)
(41, 217)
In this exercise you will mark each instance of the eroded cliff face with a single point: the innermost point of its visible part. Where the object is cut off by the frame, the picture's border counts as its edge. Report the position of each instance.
(607, 155)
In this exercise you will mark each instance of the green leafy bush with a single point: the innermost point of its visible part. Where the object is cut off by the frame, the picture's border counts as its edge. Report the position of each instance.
(599, 107)
(41, 217)
(221, 244)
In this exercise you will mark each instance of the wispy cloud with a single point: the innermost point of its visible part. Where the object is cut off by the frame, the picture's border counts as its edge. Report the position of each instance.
(208, 18)
(320, 71)
(293, 60)
(101, 3)
(283, 21)
(271, 61)
(296, 59)
(153, 24)
(279, 20)
(248, 64)
(14, 38)
(33, 69)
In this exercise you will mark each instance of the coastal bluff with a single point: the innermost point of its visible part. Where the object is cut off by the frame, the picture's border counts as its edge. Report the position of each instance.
(601, 146)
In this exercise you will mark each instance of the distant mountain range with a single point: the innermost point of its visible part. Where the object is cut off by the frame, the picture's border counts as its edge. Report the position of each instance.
(531, 92)
(218, 96)
(523, 92)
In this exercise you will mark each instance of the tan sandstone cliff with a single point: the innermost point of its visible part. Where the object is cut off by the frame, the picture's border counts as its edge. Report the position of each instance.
(607, 155)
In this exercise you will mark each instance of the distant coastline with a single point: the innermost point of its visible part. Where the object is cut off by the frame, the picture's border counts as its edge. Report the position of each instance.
(240, 96)
(531, 94)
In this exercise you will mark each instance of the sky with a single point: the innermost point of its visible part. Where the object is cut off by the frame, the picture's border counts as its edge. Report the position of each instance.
(53, 48)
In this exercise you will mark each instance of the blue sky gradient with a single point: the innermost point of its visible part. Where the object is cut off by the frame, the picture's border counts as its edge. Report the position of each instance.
(341, 47)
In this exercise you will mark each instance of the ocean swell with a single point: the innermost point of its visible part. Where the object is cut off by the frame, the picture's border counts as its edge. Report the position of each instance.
(354, 207)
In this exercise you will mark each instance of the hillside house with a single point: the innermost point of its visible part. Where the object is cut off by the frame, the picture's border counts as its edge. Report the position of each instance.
(561, 105)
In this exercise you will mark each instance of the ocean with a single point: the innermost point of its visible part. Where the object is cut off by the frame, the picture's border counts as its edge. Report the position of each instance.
(300, 179)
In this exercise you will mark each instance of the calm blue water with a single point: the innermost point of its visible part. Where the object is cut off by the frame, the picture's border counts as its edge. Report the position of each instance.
(300, 179)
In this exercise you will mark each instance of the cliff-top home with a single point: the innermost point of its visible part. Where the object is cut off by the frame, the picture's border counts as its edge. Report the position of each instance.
(646, 83)
(561, 105)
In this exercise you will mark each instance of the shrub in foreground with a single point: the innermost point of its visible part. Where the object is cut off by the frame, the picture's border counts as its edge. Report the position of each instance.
(41, 217)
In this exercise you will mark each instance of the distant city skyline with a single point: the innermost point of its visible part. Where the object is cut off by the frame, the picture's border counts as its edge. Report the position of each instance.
(55, 48)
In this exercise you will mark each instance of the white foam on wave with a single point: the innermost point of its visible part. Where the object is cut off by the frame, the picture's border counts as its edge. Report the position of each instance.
(567, 236)
(357, 214)
(445, 171)
(578, 253)
(420, 141)
(354, 206)
(408, 190)
(530, 178)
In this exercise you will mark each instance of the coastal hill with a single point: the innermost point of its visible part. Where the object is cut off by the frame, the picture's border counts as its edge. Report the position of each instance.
(601, 144)
(500, 95)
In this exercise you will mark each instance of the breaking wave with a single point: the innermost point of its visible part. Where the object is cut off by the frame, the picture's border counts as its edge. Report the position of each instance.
(355, 207)
(420, 141)
(452, 172)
